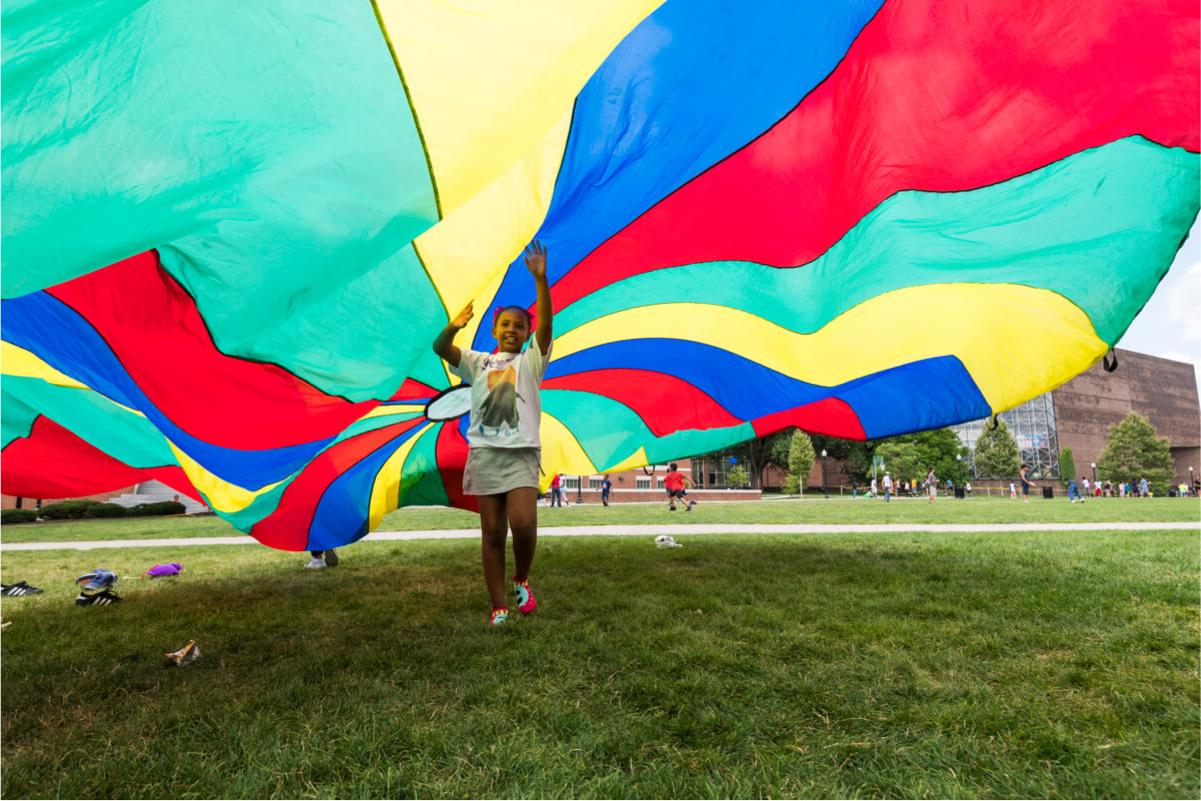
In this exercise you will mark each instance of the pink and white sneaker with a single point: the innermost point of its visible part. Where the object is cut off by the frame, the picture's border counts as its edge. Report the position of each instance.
(526, 603)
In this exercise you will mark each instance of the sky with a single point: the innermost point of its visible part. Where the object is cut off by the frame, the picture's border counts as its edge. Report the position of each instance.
(1170, 324)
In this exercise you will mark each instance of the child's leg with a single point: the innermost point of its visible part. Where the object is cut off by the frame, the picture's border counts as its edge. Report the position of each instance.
(494, 528)
(522, 510)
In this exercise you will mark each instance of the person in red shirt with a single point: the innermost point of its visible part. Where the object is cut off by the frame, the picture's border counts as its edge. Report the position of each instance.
(675, 482)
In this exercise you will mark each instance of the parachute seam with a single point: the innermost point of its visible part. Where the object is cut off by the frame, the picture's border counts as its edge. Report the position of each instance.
(379, 19)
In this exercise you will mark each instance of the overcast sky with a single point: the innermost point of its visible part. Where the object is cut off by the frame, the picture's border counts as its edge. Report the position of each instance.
(1170, 324)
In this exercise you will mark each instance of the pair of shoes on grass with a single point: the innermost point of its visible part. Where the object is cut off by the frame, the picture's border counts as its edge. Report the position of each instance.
(328, 558)
(526, 604)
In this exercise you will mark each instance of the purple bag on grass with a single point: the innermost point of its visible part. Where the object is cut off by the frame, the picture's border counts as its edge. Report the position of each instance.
(169, 569)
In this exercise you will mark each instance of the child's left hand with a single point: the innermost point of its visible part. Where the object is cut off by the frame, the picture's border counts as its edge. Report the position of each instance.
(535, 259)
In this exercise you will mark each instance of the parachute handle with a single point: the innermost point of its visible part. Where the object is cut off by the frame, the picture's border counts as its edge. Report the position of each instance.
(1110, 361)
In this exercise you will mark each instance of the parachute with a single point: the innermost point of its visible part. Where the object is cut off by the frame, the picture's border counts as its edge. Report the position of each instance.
(232, 230)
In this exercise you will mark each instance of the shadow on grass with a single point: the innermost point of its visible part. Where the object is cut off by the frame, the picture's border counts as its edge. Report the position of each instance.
(845, 666)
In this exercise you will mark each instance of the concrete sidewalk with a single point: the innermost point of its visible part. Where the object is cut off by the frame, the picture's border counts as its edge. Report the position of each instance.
(632, 531)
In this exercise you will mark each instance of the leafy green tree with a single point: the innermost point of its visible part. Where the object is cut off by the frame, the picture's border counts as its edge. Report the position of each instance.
(1135, 451)
(1067, 466)
(800, 458)
(997, 454)
(737, 477)
(901, 459)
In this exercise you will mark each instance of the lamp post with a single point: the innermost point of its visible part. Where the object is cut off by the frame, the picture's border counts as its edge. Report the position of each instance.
(579, 489)
(959, 469)
(1093, 465)
(824, 492)
(1190, 478)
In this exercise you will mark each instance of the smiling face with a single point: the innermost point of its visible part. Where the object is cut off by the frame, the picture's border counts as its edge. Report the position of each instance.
(512, 329)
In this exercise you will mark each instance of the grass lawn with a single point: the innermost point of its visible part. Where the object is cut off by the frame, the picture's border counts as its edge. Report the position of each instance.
(809, 510)
(953, 665)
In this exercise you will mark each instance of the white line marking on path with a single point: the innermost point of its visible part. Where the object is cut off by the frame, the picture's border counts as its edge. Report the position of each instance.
(636, 531)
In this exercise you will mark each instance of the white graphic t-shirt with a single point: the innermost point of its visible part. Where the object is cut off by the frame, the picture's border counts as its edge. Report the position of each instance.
(505, 407)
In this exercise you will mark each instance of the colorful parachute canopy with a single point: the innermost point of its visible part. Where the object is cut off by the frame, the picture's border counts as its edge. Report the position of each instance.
(232, 230)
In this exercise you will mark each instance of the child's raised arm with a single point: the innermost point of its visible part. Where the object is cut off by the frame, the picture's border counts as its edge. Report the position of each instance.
(535, 262)
(445, 345)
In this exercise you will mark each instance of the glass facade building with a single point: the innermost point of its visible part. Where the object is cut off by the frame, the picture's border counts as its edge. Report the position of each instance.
(1033, 426)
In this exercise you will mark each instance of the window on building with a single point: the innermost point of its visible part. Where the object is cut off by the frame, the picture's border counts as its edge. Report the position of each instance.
(661, 484)
(573, 483)
(1033, 426)
(643, 482)
(594, 483)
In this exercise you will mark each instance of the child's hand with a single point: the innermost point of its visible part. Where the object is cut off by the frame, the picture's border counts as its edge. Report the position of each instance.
(464, 316)
(535, 259)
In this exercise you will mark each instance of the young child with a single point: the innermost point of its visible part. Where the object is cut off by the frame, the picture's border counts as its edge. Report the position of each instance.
(606, 489)
(675, 482)
(504, 455)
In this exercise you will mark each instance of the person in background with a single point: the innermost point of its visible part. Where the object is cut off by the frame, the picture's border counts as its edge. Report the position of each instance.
(606, 489)
(1027, 484)
(1074, 491)
(320, 559)
(1144, 490)
(967, 488)
(1087, 487)
(932, 485)
(556, 490)
(887, 488)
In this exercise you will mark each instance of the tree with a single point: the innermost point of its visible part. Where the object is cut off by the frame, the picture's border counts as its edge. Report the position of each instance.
(901, 459)
(997, 454)
(911, 456)
(800, 458)
(1067, 466)
(1135, 451)
(737, 477)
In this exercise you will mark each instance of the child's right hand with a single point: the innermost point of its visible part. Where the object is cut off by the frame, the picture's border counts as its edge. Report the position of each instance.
(464, 317)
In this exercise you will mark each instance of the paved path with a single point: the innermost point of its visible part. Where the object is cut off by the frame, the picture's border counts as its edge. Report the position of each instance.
(633, 531)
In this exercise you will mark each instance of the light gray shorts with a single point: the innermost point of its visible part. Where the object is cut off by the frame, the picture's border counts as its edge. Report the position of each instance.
(495, 471)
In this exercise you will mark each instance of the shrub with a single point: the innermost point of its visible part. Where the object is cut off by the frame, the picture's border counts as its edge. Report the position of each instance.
(9, 516)
(160, 508)
(66, 510)
(107, 510)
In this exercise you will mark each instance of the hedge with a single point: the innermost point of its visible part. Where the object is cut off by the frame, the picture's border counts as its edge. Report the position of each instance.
(160, 508)
(79, 509)
(9, 516)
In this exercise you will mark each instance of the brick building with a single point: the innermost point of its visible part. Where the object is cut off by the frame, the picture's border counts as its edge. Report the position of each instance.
(1078, 414)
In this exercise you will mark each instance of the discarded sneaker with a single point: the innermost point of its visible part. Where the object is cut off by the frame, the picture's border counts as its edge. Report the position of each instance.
(99, 599)
(667, 541)
(99, 579)
(19, 589)
(186, 655)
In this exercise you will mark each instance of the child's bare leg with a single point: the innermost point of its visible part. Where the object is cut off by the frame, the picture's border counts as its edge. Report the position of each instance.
(522, 508)
(494, 528)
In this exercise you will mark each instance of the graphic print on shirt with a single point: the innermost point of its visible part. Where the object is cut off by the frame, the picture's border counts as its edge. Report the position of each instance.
(499, 409)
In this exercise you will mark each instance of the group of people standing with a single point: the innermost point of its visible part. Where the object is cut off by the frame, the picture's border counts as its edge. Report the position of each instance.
(1107, 489)
(910, 489)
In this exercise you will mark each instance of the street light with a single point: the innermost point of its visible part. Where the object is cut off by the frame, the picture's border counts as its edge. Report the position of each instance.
(1190, 478)
(579, 489)
(824, 492)
(959, 468)
(1094, 466)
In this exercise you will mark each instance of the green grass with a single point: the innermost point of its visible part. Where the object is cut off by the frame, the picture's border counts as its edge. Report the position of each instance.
(948, 665)
(809, 510)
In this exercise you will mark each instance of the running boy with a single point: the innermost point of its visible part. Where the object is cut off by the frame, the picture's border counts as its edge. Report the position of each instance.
(504, 453)
(675, 482)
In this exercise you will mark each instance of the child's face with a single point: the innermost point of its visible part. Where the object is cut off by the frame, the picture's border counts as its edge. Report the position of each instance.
(512, 329)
